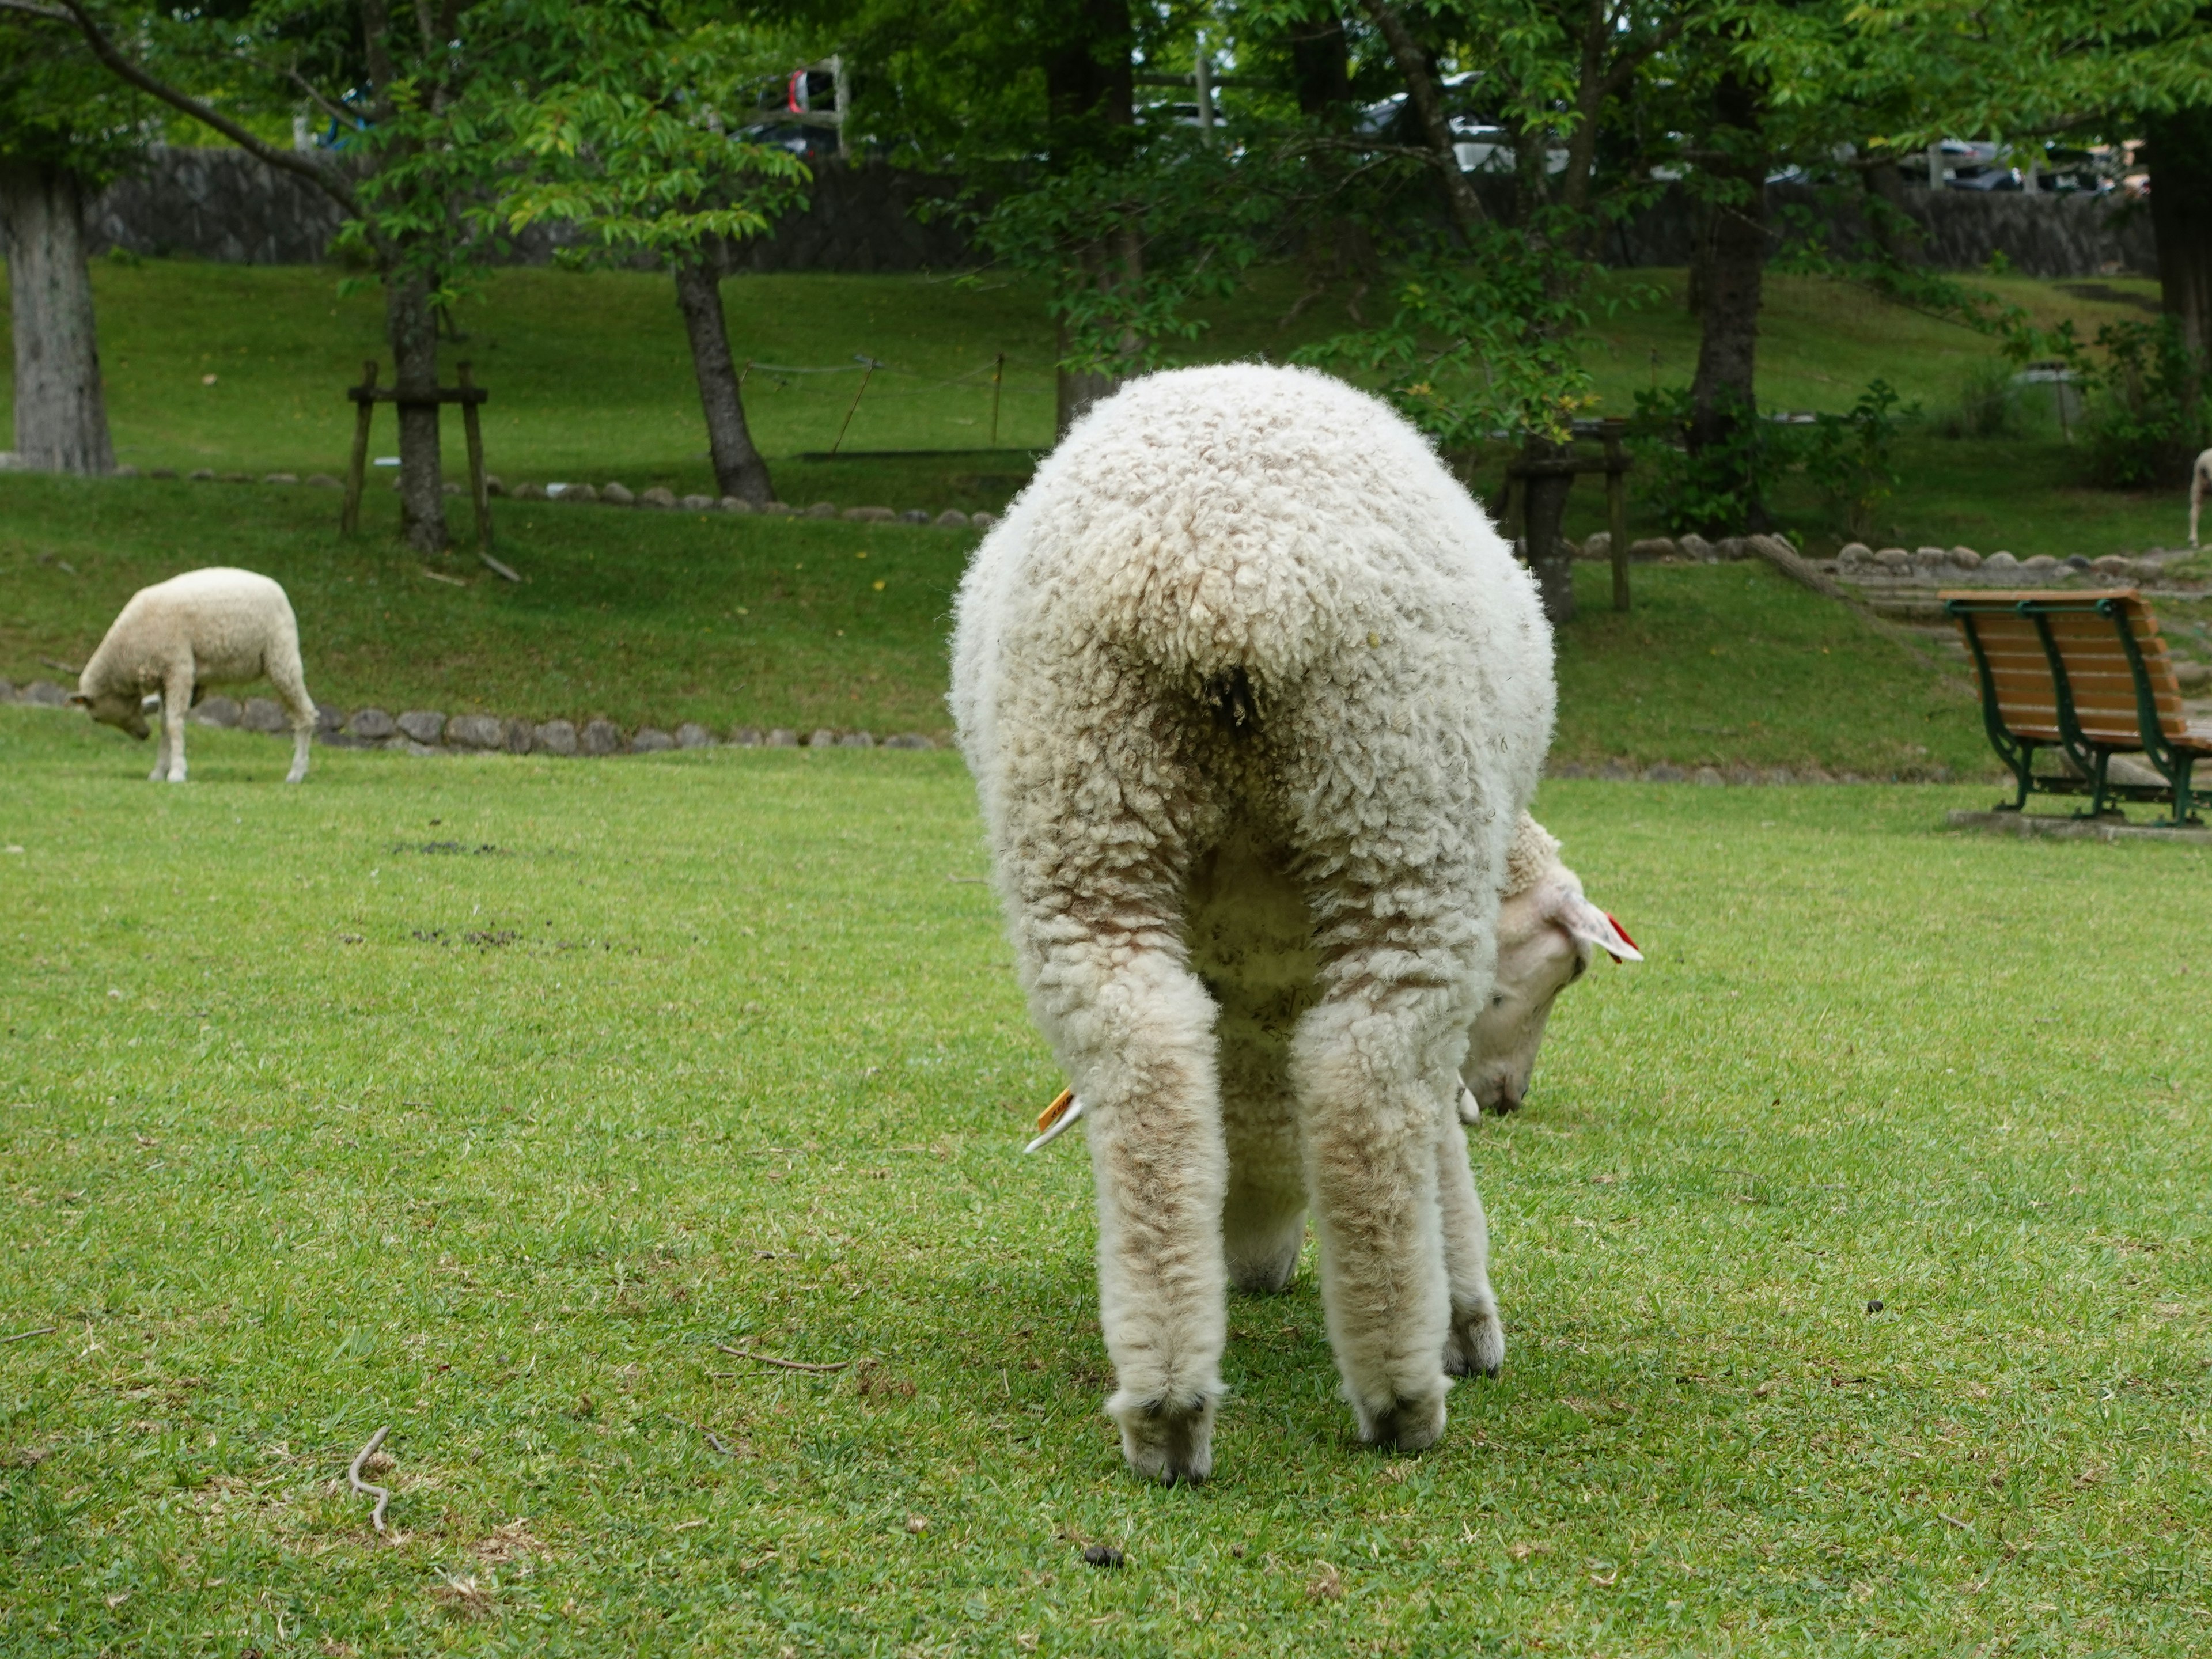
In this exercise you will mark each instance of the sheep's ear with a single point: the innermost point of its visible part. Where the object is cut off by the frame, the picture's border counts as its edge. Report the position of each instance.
(1585, 921)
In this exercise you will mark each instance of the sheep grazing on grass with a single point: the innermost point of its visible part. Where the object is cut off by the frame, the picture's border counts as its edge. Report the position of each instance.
(214, 627)
(1254, 698)
(2200, 486)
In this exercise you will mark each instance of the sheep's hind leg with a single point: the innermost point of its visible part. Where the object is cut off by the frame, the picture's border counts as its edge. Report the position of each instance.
(284, 674)
(1134, 1029)
(1476, 1340)
(1373, 1065)
(1153, 1113)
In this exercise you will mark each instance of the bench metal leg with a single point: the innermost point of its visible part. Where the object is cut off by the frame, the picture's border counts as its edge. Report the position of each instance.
(2186, 815)
(2101, 759)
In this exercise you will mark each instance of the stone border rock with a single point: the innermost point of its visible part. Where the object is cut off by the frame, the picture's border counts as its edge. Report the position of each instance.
(617, 494)
(2026, 826)
(430, 732)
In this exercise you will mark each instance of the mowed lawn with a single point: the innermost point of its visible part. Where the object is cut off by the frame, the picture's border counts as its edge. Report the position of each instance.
(654, 618)
(496, 1101)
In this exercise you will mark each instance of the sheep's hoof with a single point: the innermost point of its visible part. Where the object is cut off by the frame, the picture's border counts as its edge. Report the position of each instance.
(176, 777)
(1404, 1424)
(1476, 1345)
(1265, 1275)
(1168, 1441)
(294, 777)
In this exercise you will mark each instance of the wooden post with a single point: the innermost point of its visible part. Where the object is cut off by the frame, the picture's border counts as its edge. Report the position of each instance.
(478, 493)
(364, 406)
(867, 374)
(998, 378)
(1616, 506)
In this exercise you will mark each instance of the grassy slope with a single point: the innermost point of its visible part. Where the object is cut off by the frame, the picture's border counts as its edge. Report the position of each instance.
(665, 618)
(711, 1050)
(591, 381)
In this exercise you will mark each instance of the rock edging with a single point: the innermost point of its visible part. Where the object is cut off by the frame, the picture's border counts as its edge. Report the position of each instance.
(430, 732)
(614, 495)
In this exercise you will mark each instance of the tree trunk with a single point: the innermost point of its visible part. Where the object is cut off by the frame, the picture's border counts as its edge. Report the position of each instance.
(1893, 230)
(61, 417)
(1544, 509)
(1723, 395)
(738, 469)
(414, 332)
(2181, 219)
(1091, 109)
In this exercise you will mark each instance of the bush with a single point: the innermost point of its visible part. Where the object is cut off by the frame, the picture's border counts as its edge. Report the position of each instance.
(2147, 414)
(1848, 458)
(1987, 404)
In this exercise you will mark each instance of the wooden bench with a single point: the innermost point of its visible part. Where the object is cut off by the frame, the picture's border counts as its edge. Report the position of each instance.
(2086, 674)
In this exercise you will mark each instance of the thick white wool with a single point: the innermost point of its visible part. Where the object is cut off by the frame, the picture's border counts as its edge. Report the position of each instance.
(1254, 697)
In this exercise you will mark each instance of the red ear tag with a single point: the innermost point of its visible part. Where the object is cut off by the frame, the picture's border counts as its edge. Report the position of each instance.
(1620, 930)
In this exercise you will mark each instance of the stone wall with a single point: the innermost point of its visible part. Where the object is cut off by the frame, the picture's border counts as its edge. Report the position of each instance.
(225, 206)
(2041, 235)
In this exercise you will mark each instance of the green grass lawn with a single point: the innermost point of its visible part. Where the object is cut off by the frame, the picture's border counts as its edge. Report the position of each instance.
(591, 382)
(483, 1099)
(654, 618)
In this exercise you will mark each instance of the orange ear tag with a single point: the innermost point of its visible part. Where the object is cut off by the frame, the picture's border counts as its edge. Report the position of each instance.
(1055, 1119)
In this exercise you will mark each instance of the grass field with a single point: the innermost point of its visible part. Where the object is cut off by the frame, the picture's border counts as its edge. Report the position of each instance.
(656, 618)
(591, 381)
(483, 1099)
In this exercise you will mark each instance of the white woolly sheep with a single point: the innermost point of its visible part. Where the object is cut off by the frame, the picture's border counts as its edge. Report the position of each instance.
(2200, 486)
(214, 627)
(1254, 698)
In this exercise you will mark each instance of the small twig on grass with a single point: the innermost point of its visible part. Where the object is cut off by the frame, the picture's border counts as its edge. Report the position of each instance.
(717, 1442)
(1963, 1526)
(780, 1365)
(382, 1494)
(59, 667)
(497, 569)
(441, 576)
(43, 1330)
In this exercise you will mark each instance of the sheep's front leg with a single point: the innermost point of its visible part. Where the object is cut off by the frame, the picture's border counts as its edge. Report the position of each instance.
(1476, 1341)
(160, 771)
(1374, 1066)
(176, 700)
(1134, 1029)
(1263, 1217)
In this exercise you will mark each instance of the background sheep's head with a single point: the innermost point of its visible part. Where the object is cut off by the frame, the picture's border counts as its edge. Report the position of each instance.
(1548, 933)
(124, 710)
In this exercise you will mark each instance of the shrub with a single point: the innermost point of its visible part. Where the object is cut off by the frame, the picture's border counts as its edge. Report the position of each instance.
(1987, 404)
(2147, 414)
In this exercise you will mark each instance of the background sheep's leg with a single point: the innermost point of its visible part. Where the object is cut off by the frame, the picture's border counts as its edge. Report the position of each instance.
(1263, 1218)
(160, 771)
(289, 678)
(1375, 1072)
(176, 701)
(1477, 1340)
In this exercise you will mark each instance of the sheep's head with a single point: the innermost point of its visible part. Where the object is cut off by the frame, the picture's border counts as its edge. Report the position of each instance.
(1548, 933)
(124, 710)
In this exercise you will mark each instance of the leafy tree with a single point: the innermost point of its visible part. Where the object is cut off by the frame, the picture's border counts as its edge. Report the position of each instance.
(634, 142)
(409, 90)
(65, 130)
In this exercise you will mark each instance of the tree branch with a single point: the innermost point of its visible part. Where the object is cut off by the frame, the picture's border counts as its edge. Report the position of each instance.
(1421, 88)
(106, 50)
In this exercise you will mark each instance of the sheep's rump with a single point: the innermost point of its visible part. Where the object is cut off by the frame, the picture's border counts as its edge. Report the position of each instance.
(1263, 579)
